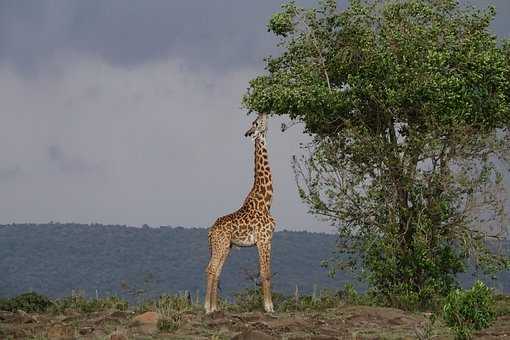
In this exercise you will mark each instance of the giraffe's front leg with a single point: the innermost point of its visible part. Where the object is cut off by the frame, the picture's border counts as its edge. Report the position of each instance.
(264, 249)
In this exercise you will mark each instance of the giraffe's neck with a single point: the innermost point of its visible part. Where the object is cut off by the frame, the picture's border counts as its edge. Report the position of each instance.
(261, 194)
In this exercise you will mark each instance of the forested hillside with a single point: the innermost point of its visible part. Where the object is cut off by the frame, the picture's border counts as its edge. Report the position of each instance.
(53, 259)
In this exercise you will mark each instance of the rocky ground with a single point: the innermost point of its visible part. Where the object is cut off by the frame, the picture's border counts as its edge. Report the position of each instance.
(347, 322)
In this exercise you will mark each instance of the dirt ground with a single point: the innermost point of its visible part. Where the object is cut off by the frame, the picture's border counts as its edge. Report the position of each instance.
(348, 322)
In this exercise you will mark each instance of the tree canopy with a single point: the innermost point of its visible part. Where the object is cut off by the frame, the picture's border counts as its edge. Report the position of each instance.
(408, 103)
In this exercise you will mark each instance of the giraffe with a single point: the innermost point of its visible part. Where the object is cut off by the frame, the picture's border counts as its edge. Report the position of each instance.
(251, 225)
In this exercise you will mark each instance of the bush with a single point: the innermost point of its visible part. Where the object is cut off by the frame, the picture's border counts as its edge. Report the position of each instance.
(502, 307)
(247, 300)
(4, 304)
(469, 310)
(27, 302)
(251, 299)
(170, 323)
(82, 304)
(171, 309)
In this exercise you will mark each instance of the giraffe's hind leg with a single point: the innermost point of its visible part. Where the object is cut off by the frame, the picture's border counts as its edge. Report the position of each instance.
(220, 249)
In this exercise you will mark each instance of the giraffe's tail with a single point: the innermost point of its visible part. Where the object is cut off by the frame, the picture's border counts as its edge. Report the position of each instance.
(209, 234)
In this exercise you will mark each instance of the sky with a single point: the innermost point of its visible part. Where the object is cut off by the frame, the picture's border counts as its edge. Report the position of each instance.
(128, 112)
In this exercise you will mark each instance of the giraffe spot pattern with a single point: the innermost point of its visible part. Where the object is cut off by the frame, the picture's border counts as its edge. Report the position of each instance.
(250, 225)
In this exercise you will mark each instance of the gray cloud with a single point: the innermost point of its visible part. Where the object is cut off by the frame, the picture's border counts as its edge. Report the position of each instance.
(167, 140)
(68, 164)
(9, 173)
(222, 33)
(127, 111)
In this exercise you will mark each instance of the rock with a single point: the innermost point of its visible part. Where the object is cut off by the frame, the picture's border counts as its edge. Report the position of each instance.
(146, 323)
(118, 336)
(147, 318)
(253, 335)
(60, 331)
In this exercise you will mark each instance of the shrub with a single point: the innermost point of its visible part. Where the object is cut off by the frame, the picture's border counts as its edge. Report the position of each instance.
(248, 299)
(170, 323)
(27, 302)
(350, 295)
(326, 299)
(251, 299)
(82, 304)
(171, 309)
(469, 310)
(4, 303)
(502, 305)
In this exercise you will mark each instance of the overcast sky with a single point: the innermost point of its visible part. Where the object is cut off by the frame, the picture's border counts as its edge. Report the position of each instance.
(128, 112)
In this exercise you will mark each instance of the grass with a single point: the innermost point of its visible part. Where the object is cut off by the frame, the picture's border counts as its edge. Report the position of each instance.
(345, 313)
(171, 309)
(502, 307)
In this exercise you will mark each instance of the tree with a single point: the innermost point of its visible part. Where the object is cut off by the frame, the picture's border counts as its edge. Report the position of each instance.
(408, 105)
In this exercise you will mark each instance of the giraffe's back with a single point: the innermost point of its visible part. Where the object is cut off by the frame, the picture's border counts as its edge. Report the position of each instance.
(242, 228)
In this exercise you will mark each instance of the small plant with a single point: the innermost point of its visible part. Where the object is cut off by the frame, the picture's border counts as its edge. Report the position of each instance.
(349, 294)
(27, 302)
(78, 302)
(170, 324)
(171, 309)
(4, 304)
(469, 310)
(249, 299)
(502, 305)
(427, 331)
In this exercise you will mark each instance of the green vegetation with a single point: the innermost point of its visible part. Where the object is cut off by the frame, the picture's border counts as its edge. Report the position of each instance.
(469, 310)
(79, 303)
(27, 302)
(250, 299)
(408, 104)
(37, 303)
(171, 309)
(502, 305)
(346, 312)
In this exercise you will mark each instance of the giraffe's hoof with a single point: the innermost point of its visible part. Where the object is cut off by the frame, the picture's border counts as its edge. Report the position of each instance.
(210, 311)
(269, 308)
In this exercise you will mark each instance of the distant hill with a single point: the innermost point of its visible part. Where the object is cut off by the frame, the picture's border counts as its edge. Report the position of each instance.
(54, 259)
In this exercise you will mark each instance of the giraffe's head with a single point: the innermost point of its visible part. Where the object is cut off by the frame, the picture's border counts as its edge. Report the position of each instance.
(258, 127)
